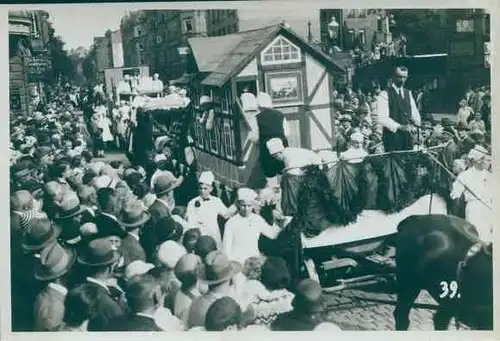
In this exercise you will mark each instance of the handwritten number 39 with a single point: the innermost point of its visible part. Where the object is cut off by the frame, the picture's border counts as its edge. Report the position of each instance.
(449, 289)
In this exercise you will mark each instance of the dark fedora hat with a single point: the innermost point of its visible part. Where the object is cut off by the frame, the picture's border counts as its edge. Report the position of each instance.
(99, 253)
(54, 262)
(218, 268)
(309, 297)
(40, 233)
(69, 207)
(133, 215)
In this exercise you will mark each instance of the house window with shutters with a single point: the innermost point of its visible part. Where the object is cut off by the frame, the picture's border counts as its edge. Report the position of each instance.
(226, 99)
(228, 139)
(281, 51)
(213, 139)
(199, 134)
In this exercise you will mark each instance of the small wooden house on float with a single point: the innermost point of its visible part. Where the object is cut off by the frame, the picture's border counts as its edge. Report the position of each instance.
(299, 77)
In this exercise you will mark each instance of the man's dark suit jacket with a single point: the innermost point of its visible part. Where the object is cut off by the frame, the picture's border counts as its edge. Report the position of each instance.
(134, 323)
(107, 309)
(150, 236)
(131, 250)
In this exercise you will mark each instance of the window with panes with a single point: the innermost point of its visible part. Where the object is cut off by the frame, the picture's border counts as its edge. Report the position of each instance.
(280, 52)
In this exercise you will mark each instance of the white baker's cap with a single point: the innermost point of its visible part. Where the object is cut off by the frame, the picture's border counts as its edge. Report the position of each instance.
(264, 100)
(275, 146)
(247, 194)
(206, 178)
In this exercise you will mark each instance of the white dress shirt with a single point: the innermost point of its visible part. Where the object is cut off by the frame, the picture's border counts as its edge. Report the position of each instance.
(205, 216)
(241, 236)
(383, 110)
(294, 158)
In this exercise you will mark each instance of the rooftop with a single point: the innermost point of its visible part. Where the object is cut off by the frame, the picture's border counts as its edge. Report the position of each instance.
(234, 51)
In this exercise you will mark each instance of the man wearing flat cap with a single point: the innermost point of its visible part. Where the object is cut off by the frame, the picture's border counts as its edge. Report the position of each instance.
(397, 113)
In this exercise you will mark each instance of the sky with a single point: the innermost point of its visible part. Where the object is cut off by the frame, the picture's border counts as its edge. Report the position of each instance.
(79, 24)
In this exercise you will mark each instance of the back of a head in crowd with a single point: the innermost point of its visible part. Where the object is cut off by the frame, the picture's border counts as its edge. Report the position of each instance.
(21, 201)
(106, 199)
(275, 274)
(144, 293)
(204, 246)
(190, 239)
(223, 314)
(80, 303)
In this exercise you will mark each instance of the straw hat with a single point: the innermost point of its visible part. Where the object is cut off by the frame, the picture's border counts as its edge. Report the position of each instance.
(218, 268)
(54, 262)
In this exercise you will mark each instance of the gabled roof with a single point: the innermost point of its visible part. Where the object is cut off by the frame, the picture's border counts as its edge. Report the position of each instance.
(211, 51)
(249, 44)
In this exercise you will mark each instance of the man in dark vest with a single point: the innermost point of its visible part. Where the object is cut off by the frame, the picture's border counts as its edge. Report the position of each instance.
(271, 124)
(398, 113)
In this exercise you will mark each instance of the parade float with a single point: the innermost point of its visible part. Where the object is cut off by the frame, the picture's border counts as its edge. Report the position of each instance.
(298, 76)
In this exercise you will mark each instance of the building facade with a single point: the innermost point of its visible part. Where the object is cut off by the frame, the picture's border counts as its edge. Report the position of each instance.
(357, 28)
(117, 48)
(222, 22)
(103, 53)
(163, 48)
(469, 38)
(29, 58)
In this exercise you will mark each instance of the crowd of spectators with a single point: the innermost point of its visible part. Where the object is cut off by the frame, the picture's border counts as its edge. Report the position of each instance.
(101, 245)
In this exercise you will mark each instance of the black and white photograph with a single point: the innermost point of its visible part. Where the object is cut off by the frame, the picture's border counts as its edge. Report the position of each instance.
(250, 168)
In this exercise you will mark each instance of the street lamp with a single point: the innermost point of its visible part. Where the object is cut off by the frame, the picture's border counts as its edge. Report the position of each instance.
(333, 32)
(333, 28)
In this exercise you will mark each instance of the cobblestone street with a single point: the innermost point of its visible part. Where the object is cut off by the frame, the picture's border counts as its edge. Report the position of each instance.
(354, 310)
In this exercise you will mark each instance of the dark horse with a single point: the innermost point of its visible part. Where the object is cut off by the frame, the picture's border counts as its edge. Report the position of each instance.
(442, 254)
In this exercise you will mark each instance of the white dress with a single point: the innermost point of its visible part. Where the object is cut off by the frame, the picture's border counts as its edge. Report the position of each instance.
(106, 130)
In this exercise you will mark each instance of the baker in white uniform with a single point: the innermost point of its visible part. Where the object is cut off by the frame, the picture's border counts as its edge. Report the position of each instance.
(293, 158)
(478, 180)
(203, 210)
(242, 231)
